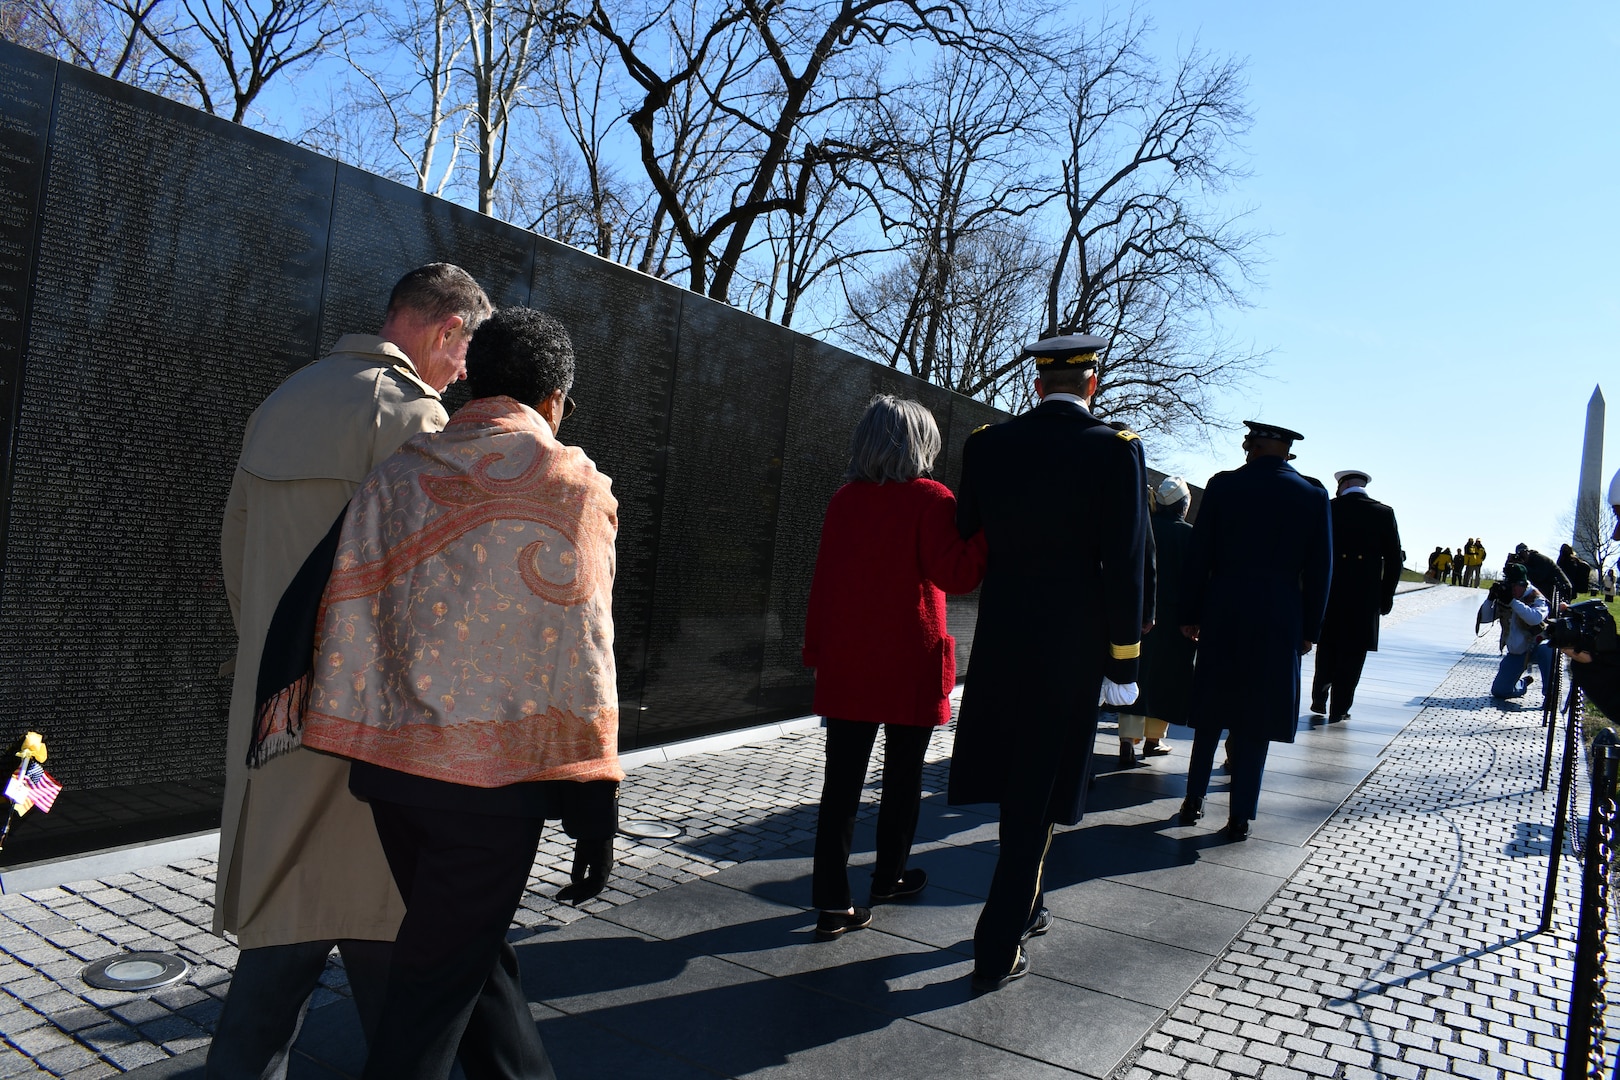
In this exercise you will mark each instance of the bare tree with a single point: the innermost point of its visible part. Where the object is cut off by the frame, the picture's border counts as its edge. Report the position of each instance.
(1148, 254)
(225, 51)
(1590, 526)
(403, 114)
(964, 167)
(780, 74)
(110, 37)
(979, 312)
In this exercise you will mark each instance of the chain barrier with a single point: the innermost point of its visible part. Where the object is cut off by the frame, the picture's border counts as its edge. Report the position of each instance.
(1584, 1050)
(1604, 852)
(1581, 792)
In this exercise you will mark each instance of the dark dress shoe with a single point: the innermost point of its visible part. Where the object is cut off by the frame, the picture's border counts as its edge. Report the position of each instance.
(985, 983)
(1236, 830)
(1127, 754)
(1338, 718)
(833, 924)
(1191, 811)
(910, 884)
(1040, 924)
(1154, 748)
(1319, 707)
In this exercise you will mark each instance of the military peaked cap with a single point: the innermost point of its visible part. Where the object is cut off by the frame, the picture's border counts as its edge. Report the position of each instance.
(1070, 352)
(1339, 477)
(1260, 430)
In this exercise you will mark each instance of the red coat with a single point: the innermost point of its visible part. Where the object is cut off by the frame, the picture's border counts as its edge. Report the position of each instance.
(875, 632)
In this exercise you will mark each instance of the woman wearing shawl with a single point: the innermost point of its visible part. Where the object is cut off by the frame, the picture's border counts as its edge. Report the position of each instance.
(464, 661)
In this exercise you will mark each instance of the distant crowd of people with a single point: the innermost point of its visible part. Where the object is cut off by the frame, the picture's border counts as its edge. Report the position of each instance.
(425, 672)
(1462, 569)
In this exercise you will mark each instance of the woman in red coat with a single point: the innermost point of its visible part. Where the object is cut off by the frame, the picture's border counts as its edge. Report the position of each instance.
(875, 634)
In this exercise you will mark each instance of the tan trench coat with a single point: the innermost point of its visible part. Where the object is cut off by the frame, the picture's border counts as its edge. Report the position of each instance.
(299, 858)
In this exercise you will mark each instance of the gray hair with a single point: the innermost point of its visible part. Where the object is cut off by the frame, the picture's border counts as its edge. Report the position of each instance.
(896, 439)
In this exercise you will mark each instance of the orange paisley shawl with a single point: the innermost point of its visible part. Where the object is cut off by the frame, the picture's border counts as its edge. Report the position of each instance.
(466, 633)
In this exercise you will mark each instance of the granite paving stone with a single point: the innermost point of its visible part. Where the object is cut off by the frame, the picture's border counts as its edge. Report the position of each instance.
(1379, 923)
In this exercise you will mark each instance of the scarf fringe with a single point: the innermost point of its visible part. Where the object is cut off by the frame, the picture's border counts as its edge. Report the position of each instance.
(278, 722)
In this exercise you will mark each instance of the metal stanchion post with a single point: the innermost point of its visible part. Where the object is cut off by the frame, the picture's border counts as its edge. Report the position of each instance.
(1566, 788)
(1549, 714)
(1587, 998)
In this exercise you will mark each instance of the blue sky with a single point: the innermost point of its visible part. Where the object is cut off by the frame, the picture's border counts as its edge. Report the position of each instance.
(1441, 290)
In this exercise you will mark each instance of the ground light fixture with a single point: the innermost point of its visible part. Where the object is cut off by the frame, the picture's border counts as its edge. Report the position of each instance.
(650, 830)
(135, 971)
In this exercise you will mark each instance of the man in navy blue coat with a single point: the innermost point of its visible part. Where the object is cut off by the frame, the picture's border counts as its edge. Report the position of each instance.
(1253, 596)
(1062, 499)
(1366, 569)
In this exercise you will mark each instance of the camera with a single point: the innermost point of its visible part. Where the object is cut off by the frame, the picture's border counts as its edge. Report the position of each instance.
(1585, 627)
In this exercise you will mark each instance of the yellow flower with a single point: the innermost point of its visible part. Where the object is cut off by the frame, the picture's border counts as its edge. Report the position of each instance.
(336, 660)
(424, 683)
(549, 634)
(359, 683)
(440, 608)
(449, 702)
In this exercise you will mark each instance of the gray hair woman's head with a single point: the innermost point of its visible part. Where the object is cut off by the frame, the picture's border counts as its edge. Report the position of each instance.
(896, 440)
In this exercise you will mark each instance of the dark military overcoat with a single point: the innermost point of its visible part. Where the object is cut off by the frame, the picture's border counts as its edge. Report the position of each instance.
(1061, 497)
(1166, 676)
(1256, 583)
(1366, 569)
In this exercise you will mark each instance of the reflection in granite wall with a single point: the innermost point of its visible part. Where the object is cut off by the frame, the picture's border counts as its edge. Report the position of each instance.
(161, 271)
(176, 279)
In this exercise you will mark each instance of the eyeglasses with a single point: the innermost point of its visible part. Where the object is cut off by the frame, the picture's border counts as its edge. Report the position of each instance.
(568, 407)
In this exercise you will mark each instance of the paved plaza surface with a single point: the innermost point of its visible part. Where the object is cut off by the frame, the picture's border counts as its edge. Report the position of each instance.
(1380, 921)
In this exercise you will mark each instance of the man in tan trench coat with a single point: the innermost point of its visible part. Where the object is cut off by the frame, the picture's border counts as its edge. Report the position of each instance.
(300, 866)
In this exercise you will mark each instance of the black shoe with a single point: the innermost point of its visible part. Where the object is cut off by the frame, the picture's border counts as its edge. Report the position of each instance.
(1127, 754)
(1191, 810)
(1040, 924)
(910, 884)
(1154, 749)
(1320, 708)
(985, 983)
(1338, 718)
(1236, 830)
(832, 924)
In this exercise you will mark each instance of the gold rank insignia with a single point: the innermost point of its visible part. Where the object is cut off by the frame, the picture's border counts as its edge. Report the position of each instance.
(1126, 435)
(978, 429)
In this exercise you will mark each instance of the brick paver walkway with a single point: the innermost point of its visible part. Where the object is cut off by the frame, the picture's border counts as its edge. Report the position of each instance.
(1403, 947)
(1406, 946)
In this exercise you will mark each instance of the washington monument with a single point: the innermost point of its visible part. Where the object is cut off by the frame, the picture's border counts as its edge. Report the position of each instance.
(1589, 496)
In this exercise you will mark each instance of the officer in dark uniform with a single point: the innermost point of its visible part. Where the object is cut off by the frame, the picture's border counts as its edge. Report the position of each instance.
(1061, 497)
(1366, 568)
(1253, 595)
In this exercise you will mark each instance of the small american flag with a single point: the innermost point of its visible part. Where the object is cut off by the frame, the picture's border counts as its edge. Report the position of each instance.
(41, 788)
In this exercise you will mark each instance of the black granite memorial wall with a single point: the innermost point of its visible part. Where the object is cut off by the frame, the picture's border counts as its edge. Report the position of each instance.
(161, 271)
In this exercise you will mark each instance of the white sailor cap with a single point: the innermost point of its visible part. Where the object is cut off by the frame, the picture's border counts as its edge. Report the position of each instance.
(1339, 476)
(1171, 490)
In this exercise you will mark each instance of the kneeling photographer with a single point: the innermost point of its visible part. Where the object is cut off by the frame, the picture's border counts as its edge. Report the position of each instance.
(1585, 633)
(1524, 609)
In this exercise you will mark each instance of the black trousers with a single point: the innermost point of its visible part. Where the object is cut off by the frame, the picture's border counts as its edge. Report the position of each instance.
(1338, 670)
(1017, 890)
(269, 997)
(849, 748)
(455, 977)
(1247, 753)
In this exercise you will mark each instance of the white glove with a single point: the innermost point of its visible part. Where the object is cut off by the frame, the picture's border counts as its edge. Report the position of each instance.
(1115, 694)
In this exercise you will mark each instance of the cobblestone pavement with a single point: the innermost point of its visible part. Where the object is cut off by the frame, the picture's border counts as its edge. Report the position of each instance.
(1400, 949)
(1406, 946)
